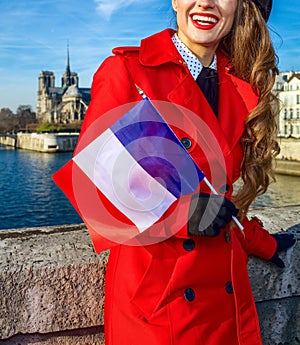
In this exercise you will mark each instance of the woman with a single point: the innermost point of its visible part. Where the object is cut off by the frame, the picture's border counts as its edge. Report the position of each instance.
(193, 288)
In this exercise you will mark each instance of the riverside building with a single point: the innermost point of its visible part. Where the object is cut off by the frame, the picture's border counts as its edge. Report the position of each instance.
(287, 87)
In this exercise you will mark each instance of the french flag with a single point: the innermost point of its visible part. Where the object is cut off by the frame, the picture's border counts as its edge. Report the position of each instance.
(138, 166)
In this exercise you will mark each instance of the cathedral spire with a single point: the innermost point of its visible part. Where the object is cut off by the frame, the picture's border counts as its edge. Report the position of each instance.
(69, 78)
(68, 70)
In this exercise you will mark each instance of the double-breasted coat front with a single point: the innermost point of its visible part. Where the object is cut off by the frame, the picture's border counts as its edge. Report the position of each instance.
(186, 289)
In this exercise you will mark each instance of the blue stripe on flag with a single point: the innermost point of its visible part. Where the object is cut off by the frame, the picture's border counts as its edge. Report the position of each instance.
(152, 143)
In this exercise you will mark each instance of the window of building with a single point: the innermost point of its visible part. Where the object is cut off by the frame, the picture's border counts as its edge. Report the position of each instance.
(298, 99)
(291, 113)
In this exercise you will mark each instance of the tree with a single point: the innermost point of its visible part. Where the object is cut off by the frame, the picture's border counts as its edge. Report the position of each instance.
(25, 116)
(8, 120)
(6, 113)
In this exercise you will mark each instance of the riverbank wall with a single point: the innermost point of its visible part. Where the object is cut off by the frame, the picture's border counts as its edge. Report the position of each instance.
(288, 160)
(51, 285)
(285, 167)
(41, 142)
(289, 149)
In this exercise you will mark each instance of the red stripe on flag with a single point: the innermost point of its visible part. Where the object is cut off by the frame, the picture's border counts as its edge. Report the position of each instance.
(88, 199)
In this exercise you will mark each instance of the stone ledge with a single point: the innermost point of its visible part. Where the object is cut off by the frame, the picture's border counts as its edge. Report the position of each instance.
(51, 285)
(88, 336)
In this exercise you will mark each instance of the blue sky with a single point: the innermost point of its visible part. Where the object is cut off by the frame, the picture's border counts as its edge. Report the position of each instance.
(34, 36)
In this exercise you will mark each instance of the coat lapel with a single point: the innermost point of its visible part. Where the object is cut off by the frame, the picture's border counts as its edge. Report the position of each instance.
(188, 94)
(236, 100)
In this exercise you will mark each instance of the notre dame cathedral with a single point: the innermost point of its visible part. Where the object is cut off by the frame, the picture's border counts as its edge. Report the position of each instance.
(65, 104)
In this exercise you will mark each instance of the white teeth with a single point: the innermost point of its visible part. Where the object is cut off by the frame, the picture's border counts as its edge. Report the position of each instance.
(198, 18)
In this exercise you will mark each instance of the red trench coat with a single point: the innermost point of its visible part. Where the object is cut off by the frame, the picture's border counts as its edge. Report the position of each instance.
(185, 290)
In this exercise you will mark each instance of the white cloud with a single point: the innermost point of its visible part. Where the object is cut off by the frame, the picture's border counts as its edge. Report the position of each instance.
(107, 7)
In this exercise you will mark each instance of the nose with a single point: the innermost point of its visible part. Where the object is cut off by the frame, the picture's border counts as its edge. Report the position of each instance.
(205, 3)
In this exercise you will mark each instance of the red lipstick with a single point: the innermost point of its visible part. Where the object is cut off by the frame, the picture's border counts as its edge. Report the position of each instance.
(204, 21)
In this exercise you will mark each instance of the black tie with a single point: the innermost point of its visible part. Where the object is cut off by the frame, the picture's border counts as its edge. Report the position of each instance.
(209, 84)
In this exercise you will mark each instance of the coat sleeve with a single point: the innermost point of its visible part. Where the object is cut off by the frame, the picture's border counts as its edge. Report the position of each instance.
(255, 239)
(112, 87)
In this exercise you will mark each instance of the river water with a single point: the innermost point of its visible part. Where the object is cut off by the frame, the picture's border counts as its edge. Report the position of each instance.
(29, 197)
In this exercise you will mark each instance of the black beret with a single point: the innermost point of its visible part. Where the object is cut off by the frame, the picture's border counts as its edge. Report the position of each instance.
(265, 7)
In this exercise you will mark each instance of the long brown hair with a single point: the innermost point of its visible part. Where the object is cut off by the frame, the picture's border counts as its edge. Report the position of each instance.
(250, 48)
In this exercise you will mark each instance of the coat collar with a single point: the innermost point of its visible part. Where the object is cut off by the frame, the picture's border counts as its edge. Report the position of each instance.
(237, 98)
(158, 49)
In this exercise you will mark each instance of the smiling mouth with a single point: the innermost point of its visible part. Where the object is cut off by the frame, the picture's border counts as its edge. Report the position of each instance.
(204, 20)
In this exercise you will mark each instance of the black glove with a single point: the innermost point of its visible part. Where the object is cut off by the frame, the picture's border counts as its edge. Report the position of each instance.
(284, 241)
(209, 213)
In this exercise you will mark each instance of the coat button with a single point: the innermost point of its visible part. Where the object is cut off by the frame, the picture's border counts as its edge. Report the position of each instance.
(186, 142)
(189, 294)
(227, 237)
(229, 288)
(188, 244)
(225, 188)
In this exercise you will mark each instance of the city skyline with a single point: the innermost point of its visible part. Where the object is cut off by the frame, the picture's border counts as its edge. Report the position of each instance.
(34, 35)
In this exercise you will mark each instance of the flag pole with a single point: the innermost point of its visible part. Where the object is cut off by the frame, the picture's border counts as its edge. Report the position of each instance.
(210, 186)
(141, 92)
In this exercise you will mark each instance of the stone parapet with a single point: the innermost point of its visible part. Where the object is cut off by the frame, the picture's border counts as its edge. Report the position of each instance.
(51, 285)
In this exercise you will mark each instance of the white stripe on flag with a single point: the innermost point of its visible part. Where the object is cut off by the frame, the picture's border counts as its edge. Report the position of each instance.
(123, 181)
